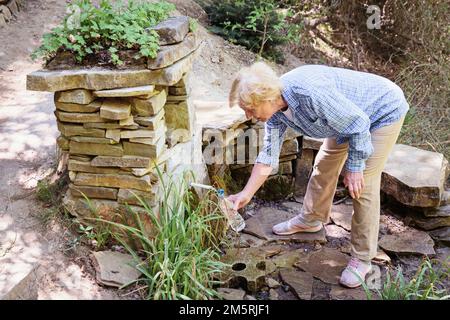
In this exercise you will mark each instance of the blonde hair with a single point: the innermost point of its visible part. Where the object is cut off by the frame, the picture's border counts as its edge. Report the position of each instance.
(255, 84)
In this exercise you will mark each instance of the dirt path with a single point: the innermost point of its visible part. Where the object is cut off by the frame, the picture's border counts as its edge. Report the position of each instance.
(27, 154)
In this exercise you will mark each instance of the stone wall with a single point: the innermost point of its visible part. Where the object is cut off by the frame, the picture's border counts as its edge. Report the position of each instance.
(117, 126)
(235, 150)
(9, 9)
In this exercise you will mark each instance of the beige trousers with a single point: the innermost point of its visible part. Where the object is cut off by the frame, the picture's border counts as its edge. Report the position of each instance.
(366, 210)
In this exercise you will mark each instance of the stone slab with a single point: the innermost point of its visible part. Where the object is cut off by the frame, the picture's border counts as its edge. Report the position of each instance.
(300, 282)
(410, 241)
(96, 149)
(114, 269)
(79, 96)
(172, 30)
(260, 225)
(121, 162)
(79, 108)
(93, 192)
(115, 109)
(125, 92)
(415, 177)
(113, 181)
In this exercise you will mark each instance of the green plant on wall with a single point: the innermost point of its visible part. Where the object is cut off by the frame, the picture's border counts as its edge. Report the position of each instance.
(105, 30)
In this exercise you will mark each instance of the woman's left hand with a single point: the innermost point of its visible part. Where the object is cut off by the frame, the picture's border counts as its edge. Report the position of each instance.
(354, 181)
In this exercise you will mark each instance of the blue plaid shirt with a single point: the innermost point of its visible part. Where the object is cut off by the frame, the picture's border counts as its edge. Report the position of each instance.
(334, 102)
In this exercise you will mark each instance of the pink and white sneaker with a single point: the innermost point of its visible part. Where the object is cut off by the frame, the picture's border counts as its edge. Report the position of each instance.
(355, 271)
(295, 225)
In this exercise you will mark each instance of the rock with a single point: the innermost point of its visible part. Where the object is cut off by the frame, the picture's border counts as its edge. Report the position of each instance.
(79, 108)
(19, 280)
(283, 168)
(149, 107)
(287, 259)
(113, 134)
(114, 269)
(336, 232)
(443, 211)
(96, 149)
(382, 257)
(178, 91)
(127, 121)
(115, 109)
(410, 241)
(121, 162)
(300, 282)
(427, 224)
(276, 187)
(79, 157)
(326, 265)
(311, 143)
(83, 166)
(231, 294)
(248, 297)
(12, 5)
(248, 263)
(113, 181)
(340, 293)
(100, 79)
(2, 20)
(113, 125)
(273, 294)
(153, 136)
(172, 30)
(6, 13)
(93, 140)
(180, 116)
(414, 177)
(152, 122)
(127, 196)
(272, 283)
(341, 215)
(63, 143)
(149, 151)
(79, 96)
(70, 130)
(260, 225)
(78, 117)
(93, 192)
(289, 147)
(441, 235)
(304, 167)
(126, 92)
(167, 55)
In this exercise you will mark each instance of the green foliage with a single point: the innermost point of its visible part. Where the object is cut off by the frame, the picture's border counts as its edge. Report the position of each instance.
(258, 25)
(179, 257)
(193, 25)
(105, 30)
(44, 191)
(429, 283)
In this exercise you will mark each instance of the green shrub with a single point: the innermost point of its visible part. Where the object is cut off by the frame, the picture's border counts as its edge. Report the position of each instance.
(104, 30)
(259, 25)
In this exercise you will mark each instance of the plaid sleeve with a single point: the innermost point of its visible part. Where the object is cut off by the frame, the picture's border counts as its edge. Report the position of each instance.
(273, 139)
(350, 122)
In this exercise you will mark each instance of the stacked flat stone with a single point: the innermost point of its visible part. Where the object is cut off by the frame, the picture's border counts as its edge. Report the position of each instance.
(239, 157)
(9, 9)
(118, 125)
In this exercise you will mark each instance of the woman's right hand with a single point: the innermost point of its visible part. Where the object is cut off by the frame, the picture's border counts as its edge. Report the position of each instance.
(239, 200)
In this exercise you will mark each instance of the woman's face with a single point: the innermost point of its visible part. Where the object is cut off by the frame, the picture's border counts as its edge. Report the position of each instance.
(261, 112)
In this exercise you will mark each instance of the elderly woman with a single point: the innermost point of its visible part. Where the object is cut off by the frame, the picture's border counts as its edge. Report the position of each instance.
(360, 116)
